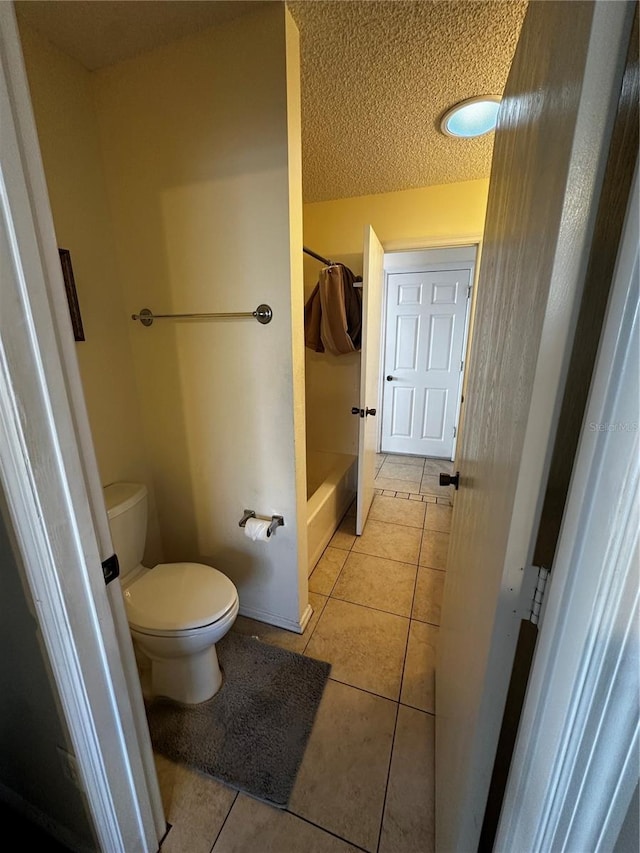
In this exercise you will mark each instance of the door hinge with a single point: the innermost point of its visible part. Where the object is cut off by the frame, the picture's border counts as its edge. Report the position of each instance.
(455, 431)
(461, 366)
(468, 291)
(111, 568)
(538, 595)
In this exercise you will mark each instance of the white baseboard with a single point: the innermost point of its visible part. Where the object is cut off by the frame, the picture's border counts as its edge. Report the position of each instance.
(278, 621)
(306, 616)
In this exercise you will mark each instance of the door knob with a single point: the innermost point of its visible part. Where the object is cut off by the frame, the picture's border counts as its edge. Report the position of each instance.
(370, 412)
(356, 411)
(390, 378)
(450, 480)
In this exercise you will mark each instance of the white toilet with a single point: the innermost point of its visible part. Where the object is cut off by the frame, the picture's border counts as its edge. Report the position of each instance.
(177, 612)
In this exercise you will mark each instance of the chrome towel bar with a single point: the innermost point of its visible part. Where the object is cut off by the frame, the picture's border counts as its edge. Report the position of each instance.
(263, 314)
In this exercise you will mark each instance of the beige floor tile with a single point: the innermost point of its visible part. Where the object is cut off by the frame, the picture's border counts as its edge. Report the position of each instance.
(430, 485)
(438, 466)
(418, 682)
(375, 582)
(342, 779)
(279, 636)
(409, 815)
(365, 647)
(393, 541)
(427, 602)
(397, 485)
(399, 459)
(397, 511)
(404, 495)
(327, 570)
(438, 517)
(253, 827)
(388, 493)
(397, 471)
(345, 535)
(434, 549)
(194, 804)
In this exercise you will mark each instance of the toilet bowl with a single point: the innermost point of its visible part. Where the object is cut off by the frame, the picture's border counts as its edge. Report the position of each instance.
(177, 612)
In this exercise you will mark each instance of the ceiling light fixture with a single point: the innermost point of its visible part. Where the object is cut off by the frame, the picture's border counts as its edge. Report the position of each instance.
(471, 117)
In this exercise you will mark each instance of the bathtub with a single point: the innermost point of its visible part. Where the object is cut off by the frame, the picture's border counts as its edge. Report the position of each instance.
(331, 487)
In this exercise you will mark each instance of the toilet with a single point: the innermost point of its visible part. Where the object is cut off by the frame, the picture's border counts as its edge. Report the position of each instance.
(177, 612)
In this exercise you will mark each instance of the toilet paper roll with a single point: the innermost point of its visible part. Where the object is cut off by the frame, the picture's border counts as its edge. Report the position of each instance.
(257, 529)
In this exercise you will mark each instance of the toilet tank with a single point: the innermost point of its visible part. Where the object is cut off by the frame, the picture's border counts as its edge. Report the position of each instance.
(127, 510)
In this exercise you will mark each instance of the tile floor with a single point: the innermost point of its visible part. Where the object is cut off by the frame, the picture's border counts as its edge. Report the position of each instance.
(366, 780)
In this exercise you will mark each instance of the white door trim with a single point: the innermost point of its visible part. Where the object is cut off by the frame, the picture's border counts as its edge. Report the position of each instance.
(425, 244)
(575, 765)
(44, 480)
(402, 256)
(45, 234)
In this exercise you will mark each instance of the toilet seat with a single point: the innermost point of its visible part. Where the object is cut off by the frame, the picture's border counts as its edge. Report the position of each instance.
(174, 598)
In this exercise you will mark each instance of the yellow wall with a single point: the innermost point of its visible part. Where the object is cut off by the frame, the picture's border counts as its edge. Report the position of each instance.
(199, 142)
(407, 219)
(430, 216)
(68, 135)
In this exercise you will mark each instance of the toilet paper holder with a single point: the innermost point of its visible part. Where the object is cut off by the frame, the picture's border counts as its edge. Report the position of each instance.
(276, 520)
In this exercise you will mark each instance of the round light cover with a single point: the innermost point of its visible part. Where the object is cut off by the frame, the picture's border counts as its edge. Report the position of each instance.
(472, 117)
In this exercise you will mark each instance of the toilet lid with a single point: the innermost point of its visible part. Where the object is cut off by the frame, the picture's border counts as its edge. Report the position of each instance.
(178, 596)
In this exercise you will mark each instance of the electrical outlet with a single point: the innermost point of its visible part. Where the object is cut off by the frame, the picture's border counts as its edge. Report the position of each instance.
(70, 767)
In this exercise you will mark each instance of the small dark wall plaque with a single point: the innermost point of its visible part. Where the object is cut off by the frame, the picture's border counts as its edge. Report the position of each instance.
(72, 296)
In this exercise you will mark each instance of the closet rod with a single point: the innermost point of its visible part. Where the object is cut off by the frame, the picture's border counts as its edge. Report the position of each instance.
(263, 314)
(326, 262)
(318, 257)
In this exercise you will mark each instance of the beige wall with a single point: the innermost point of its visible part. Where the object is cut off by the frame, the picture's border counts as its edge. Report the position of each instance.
(200, 141)
(68, 134)
(430, 216)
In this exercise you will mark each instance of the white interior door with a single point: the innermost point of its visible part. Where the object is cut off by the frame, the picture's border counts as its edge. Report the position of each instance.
(549, 156)
(425, 331)
(372, 287)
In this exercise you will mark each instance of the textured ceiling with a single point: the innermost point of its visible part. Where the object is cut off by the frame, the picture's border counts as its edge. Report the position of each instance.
(102, 32)
(376, 79)
(377, 75)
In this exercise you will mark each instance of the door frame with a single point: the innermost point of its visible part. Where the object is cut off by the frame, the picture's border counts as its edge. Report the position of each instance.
(575, 763)
(395, 247)
(51, 484)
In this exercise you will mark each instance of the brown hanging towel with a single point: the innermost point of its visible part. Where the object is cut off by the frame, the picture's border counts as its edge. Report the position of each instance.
(312, 316)
(333, 312)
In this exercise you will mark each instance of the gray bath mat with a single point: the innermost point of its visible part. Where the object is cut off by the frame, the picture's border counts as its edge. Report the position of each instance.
(253, 733)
